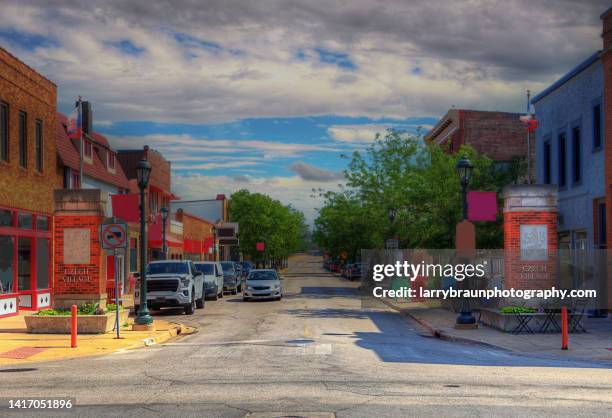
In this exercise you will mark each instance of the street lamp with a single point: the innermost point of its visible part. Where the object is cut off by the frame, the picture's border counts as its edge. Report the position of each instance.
(214, 231)
(143, 171)
(164, 216)
(464, 170)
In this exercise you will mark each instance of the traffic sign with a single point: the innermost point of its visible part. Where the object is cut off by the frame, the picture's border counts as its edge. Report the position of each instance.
(113, 235)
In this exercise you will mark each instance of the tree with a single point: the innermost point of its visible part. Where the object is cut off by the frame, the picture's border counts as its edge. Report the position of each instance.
(263, 219)
(417, 182)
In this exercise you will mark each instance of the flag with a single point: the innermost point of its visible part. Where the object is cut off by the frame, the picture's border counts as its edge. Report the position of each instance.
(74, 124)
(531, 123)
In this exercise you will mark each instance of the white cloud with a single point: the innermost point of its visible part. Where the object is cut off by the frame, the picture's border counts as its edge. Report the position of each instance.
(294, 190)
(410, 61)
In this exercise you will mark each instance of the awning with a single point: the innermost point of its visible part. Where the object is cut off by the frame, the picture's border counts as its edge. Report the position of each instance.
(126, 207)
(155, 237)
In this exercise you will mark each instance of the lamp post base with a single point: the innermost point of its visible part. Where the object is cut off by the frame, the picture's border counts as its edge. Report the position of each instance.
(143, 327)
(465, 318)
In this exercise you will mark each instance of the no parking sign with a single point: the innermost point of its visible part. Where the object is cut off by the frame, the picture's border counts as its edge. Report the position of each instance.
(113, 235)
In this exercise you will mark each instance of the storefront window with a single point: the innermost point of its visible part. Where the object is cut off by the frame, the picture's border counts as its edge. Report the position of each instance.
(42, 223)
(24, 263)
(7, 252)
(6, 217)
(42, 263)
(24, 220)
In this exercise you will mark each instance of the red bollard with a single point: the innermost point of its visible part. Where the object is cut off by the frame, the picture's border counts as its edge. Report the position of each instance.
(73, 326)
(564, 336)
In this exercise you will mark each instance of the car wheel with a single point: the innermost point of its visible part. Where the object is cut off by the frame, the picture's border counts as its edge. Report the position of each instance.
(245, 299)
(240, 288)
(216, 295)
(234, 292)
(200, 303)
(190, 308)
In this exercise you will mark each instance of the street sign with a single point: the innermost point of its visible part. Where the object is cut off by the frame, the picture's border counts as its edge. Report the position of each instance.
(113, 235)
(392, 244)
(260, 246)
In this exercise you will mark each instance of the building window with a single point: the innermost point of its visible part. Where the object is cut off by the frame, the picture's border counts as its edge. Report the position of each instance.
(547, 163)
(42, 263)
(133, 254)
(24, 220)
(7, 268)
(87, 149)
(23, 139)
(76, 180)
(42, 223)
(24, 263)
(39, 145)
(6, 218)
(111, 160)
(597, 127)
(4, 135)
(601, 225)
(561, 154)
(576, 156)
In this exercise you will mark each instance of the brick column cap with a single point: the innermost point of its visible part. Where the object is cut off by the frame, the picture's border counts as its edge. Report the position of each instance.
(530, 198)
(80, 201)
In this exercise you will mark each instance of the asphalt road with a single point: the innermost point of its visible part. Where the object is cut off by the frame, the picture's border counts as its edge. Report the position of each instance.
(315, 353)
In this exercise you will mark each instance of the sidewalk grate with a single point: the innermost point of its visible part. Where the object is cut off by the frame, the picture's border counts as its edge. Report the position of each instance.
(20, 353)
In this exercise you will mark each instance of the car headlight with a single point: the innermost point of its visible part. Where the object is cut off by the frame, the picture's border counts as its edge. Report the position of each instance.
(249, 287)
(185, 281)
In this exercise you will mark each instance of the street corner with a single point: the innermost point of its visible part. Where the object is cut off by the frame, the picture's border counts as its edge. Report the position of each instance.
(18, 347)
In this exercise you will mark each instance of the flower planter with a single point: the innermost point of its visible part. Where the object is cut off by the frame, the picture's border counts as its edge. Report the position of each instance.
(86, 324)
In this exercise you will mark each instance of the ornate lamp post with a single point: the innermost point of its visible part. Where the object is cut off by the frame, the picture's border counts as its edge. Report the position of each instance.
(143, 171)
(214, 231)
(464, 170)
(164, 216)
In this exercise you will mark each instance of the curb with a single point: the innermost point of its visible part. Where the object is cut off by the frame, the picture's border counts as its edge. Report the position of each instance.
(438, 333)
(172, 332)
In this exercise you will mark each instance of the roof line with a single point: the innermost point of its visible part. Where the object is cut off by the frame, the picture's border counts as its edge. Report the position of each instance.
(567, 77)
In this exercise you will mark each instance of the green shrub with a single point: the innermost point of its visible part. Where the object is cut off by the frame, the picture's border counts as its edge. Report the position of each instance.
(517, 309)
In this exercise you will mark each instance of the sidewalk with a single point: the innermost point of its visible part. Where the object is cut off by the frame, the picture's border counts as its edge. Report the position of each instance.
(596, 344)
(17, 347)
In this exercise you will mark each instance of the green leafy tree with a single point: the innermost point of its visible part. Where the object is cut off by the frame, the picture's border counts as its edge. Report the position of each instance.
(263, 219)
(401, 175)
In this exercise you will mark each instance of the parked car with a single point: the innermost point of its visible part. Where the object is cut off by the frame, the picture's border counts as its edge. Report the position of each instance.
(213, 278)
(334, 266)
(345, 269)
(173, 283)
(354, 272)
(231, 281)
(262, 284)
(246, 267)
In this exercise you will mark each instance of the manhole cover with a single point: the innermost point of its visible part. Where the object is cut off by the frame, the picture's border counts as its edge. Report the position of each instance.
(25, 369)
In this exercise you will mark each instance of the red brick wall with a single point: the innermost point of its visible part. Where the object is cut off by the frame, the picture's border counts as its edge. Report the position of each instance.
(524, 274)
(26, 90)
(499, 135)
(95, 269)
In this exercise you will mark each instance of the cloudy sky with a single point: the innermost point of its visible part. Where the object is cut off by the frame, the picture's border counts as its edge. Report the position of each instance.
(268, 94)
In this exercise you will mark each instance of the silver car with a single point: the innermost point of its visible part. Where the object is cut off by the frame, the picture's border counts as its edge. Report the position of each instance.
(262, 284)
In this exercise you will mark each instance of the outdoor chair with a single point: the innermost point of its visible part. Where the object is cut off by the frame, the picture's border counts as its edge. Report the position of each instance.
(523, 320)
(576, 318)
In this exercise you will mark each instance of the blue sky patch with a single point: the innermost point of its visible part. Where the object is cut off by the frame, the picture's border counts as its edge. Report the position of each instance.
(28, 41)
(127, 47)
(339, 59)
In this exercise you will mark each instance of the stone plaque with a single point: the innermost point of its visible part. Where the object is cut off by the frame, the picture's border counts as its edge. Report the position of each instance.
(534, 242)
(77, 246)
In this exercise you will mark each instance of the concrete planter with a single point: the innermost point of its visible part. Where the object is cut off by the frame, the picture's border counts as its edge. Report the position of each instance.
(86, 324)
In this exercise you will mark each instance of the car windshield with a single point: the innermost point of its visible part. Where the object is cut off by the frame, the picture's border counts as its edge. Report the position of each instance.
(228, 267)
(205, 268)
(262, 275)
(166, 268)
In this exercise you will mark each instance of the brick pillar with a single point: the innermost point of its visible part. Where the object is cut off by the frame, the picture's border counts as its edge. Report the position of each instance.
(530, 236)
(606, 57)
(80, 265)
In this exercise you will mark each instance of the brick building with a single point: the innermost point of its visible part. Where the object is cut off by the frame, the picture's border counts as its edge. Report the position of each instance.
(27, 180)
(197, 236)
(500, 136)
